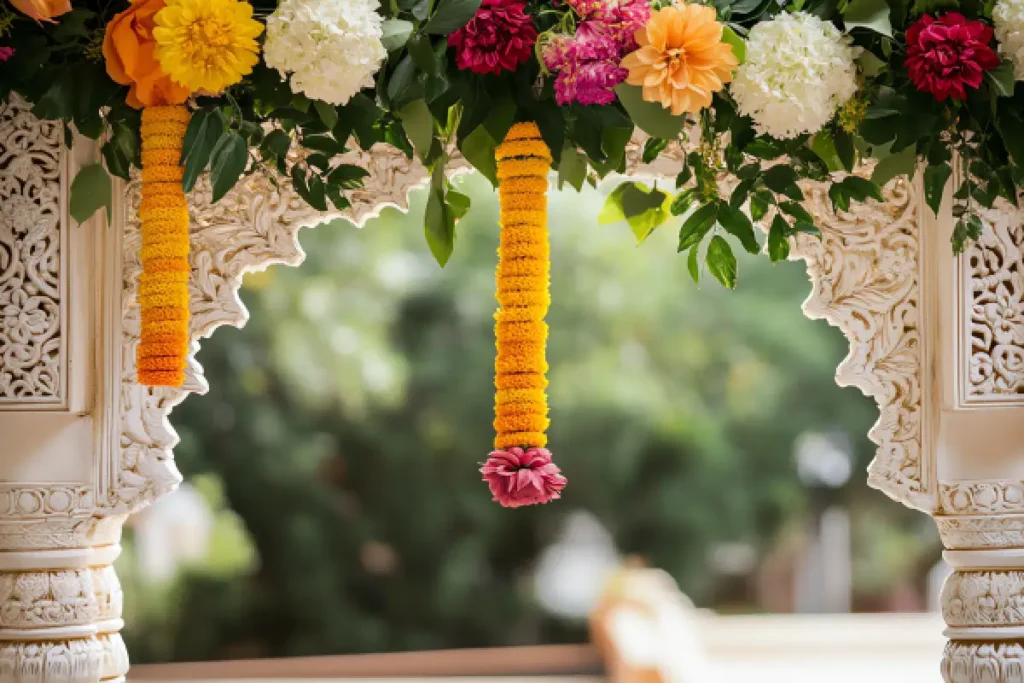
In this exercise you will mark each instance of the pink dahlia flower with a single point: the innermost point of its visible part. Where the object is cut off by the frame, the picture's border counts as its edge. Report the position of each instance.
(520, 477)
(499, 37)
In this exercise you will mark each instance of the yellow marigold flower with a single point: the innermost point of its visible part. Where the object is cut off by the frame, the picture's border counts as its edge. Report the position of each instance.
(206, 45)
(682, 60)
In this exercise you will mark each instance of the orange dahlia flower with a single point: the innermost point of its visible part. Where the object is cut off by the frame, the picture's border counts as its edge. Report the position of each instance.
(129, 50)
(682, 60)
(43, 10)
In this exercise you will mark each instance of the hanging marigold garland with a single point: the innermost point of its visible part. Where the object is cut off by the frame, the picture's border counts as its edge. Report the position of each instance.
(163, 285)
(520, 471)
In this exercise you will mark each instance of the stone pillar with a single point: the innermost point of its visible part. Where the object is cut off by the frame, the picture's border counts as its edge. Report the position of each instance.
(979, 444)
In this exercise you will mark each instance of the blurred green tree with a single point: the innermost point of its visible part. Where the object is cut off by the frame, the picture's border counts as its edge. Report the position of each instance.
(346, 423)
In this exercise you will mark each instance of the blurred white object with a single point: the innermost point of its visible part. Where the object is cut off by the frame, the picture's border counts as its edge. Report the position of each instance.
(824, 577)
(573, 570)
(647, 630)
(174, 531)
(823, 459)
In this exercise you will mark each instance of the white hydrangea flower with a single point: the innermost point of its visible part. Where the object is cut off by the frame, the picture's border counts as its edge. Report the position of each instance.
(1008, 18)
(332, 48)
(799, 70)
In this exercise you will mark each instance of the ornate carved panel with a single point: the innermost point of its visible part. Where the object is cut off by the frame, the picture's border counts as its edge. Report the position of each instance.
(33, 261)
(865, 275)
(990, 320)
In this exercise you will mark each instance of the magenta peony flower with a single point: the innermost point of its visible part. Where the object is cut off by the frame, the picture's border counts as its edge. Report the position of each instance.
(587, 65)
(499, 37)
(619, 18)
(517, 477)
(946, 54)
(6, 53)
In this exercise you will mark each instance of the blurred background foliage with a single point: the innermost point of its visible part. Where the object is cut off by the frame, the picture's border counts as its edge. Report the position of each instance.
(339, 442)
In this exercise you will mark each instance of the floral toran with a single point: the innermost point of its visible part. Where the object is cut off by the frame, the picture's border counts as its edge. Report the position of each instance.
(771, 95)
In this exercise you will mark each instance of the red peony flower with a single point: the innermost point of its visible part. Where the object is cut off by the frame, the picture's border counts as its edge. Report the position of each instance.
(499, 37)
(946, 54)
(517, 477)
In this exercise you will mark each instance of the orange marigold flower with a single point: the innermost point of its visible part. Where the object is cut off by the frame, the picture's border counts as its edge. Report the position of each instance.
(682, 60)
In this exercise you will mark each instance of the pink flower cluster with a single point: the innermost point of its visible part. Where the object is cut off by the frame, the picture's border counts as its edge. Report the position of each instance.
(6, 53)
(587, 63)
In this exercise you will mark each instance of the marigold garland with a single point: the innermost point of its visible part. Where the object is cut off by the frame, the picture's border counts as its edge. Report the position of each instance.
(519, 471)
(163, 285)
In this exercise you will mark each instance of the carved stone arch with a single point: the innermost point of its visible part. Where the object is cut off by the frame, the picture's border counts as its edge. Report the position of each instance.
(864, 275)
(938, 343)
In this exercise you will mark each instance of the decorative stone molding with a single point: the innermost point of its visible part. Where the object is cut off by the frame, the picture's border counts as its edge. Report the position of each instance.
(980, 497)
(988, 662)
(67, 661)
(47, 599)
(43, 501)
(984, 598)
(33, 258)
(991, 323)
(968, 533)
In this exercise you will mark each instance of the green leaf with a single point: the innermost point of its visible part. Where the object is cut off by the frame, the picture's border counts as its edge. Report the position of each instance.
(90, 191)
(650, 117)
(1002, 79)
(840, 199)
(739, 47)
(422, 51)
(824, 146)
(347, 176)
(612, 211)
(697, 225)
(276, 144)
(935, 178)
(861, 189)
(227, 162)
(572, 168)
(764, 149)
(741, 193)
(644, 209)
(903, 163)
(758, 207)
(327, 113)
(796, 211)
(782, 179)
(683, 201)
(317, 194)
(739, 226)
(652, 148)
(458, 203)
(403, 87)
(419, 127)
(870, 14)
(778, 242)
(692, 265)
(204, 131)
(870, 65)
(845, 148)
(451, 15)
(721, 261)
(396, 33)
(438, 220)
(478, 149)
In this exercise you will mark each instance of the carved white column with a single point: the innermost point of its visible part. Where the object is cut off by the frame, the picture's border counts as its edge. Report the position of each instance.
(60, 602)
